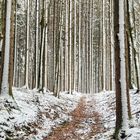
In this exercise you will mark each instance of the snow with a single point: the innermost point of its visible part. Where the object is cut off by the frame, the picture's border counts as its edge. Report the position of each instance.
(33, 116)
(106, 106)
(31, 109)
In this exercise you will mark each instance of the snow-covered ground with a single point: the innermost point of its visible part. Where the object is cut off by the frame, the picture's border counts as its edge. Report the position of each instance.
(106, 106)
(33, 116)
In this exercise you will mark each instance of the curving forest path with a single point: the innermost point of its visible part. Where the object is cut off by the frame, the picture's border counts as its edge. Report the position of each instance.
(84, 124)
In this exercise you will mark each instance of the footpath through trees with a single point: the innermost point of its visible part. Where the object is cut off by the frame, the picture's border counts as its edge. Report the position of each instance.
(84, 124)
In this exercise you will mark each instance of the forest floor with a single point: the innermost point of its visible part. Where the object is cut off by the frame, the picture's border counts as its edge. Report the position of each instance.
(36, 116)
(84, 124)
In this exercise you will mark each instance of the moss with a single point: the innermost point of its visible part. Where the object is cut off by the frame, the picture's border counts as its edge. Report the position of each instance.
(7, 138)
(129, 115)
(116, 133)
(11, 93)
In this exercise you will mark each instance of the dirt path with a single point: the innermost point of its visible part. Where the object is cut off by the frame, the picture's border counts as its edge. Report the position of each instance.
(83, 125)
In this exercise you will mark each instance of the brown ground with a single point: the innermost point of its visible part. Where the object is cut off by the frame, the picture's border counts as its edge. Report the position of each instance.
(83, 118)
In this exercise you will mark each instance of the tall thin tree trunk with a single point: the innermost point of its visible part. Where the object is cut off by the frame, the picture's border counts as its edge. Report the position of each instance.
(46, 43)
(104, 49)
(123, 65)
(117, 69)
(70, 48)
(27, 45)
(15, 50)
(75, 45)
(66, 48)
(79, 50)
(120, 67)
(5, 76)
(36, 44)
(11, 63)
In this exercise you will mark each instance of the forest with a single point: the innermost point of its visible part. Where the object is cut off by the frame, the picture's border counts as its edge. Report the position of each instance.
(69, 69)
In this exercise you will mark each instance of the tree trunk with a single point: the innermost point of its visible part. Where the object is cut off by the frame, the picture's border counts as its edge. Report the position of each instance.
(120, 67)
(36, 44)
(11, 63)
(117, 69)
(27, 45)
(104, 48)
(5, 76)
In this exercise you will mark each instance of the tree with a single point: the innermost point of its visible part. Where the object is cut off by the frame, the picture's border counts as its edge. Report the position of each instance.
(5, 76)
(27, 45)
(79, 47)
(36, 43)
(12, 32)
(69, 45)
(104, 47)
(120, 68)
(66, 47)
